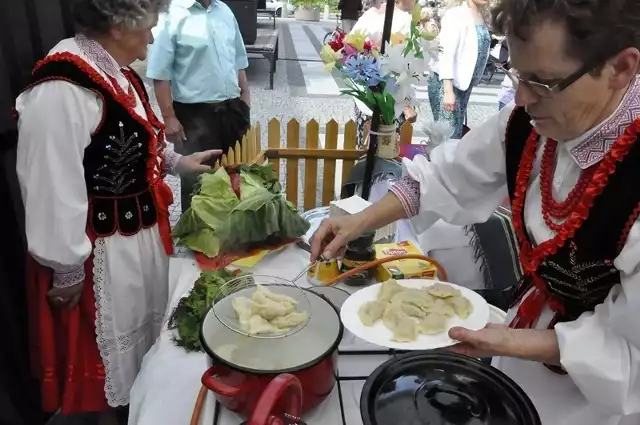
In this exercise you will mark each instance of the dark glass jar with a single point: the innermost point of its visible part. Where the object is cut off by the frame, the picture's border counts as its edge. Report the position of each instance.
(359, 252)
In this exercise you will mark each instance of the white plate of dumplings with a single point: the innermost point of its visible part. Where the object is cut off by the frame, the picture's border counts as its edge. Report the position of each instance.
(413, 314)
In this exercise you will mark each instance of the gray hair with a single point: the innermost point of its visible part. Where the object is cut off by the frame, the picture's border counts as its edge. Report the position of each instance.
(96, 17)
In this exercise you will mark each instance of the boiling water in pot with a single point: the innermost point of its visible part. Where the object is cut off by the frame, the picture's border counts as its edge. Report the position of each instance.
(317, 339)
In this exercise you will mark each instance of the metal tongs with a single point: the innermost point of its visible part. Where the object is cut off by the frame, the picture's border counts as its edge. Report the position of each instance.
(309, 267)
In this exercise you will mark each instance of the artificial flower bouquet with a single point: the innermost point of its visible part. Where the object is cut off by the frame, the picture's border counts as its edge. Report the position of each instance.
(384, 80)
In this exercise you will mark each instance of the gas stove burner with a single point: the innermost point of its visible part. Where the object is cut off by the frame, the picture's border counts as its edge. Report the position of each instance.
(288, 420)
(348, 338)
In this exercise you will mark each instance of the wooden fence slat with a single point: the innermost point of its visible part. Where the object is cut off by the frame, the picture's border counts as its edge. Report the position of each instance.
(246, 141)
(293, 141)
(231, 157)
(350, 141)
(273, 140)
(238, 154)
(311, 167)
(251, 154)
(329, 171)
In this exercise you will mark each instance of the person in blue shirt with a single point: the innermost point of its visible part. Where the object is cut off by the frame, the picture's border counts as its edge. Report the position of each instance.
(197, 62)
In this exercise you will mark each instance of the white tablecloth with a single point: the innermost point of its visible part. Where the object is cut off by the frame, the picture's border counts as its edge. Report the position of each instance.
(166, 388)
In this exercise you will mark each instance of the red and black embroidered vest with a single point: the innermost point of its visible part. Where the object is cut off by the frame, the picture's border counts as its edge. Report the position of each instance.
(122, 161)
(581, 273)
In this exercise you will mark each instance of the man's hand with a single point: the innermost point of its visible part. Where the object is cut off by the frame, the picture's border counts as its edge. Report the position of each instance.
(68, 297)
(245, 93)
(196, 162)
(246, 98)
(173, 130)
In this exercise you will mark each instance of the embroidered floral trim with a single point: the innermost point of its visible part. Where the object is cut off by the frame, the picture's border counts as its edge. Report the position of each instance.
(94, 51)
(408, 192)
(171, 159)
(104, 315)
(70, 278)
(108, 343)
(591, 150)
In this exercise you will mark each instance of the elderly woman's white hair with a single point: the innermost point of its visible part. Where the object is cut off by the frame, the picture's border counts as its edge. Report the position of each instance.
(99, 16)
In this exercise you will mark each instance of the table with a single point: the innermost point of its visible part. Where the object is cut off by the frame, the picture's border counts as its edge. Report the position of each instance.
(271, 12)
(168, 383)
(266, 45)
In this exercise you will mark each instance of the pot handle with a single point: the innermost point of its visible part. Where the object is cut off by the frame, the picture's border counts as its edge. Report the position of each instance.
(218, 387)
(284, 385)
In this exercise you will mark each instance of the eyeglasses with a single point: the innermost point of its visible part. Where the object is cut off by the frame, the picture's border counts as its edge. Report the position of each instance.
(545, 90)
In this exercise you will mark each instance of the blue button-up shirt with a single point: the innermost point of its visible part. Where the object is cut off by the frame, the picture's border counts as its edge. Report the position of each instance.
(199, 50)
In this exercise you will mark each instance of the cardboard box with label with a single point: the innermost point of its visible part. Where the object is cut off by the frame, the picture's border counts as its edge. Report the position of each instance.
(403, 269)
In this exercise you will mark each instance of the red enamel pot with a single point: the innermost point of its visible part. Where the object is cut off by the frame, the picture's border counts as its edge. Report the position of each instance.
(267, 379)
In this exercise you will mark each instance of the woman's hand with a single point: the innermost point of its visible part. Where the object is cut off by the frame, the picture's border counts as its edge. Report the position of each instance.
(194, 163)
(538, 345)
(68, 297)
(493, 340)
(449, 101)
(334, 234)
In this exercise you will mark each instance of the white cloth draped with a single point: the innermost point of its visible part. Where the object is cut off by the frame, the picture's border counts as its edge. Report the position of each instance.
(56, 120)
(600, 350)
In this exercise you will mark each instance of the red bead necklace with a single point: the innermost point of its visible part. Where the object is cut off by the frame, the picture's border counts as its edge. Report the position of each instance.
(550, 207)
(531, 256)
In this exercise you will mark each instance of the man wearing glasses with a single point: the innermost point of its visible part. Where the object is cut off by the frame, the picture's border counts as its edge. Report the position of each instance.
(568, 158)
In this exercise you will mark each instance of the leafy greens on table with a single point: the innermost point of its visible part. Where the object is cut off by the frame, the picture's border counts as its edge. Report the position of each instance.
(192, 309)
(238, 208)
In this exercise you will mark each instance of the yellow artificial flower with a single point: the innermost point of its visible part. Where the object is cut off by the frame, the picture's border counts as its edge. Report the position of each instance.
(329, 57)
(416, 14)
(397, 38)
(356, 40)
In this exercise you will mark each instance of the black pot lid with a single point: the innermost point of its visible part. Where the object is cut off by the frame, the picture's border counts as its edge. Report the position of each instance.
(443, 388)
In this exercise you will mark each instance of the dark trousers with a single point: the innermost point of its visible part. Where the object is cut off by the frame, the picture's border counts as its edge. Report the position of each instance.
(209, 126)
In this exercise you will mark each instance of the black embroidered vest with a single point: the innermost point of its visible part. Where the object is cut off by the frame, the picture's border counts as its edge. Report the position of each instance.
(116, 159)
(581, 273)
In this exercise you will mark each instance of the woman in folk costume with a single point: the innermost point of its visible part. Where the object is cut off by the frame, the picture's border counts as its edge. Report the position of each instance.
(569, 158)
(91, 162)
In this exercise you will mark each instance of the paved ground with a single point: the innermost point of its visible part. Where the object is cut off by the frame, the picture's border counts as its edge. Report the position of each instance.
(304, 91)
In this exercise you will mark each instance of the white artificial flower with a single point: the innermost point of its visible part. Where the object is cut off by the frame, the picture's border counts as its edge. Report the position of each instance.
(430, 51)
(405, 71)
